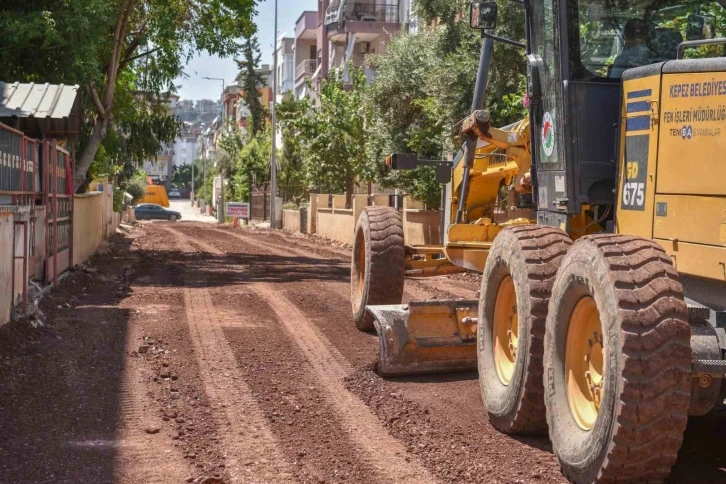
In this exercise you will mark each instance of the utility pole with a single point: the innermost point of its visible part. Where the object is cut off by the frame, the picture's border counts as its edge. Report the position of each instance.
(273, 163)
(220, 211)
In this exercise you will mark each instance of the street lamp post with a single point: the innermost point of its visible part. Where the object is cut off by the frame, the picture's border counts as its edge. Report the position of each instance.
(220, 213)
(273, 162)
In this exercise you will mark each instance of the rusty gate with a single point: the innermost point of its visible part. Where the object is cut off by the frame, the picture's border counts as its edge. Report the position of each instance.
(58, 199)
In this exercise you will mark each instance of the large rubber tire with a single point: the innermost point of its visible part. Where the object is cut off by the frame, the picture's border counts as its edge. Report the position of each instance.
(378, 263)
(644, 398)
(526, 257)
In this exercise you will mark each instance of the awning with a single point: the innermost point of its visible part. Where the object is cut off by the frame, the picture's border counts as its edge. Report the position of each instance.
(41, 110)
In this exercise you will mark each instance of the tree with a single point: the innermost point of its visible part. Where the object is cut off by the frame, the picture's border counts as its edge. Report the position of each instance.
(420, 112)
(252, 165)
(404, 116)
(458, 46)
(114, 49)
(334, 135)
(290, 114)
(136, 187)
(182, 176)
(251, 79)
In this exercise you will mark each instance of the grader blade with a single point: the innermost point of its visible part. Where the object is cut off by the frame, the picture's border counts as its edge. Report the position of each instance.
(426, 337)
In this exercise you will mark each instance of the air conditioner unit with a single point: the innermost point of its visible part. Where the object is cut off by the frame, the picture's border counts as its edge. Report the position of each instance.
(364, 47)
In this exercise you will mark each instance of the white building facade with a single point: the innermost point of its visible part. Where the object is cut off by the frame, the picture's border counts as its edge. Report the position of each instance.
(185, 151)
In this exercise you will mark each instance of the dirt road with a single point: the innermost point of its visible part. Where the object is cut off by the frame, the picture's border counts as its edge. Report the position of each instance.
(194, 353)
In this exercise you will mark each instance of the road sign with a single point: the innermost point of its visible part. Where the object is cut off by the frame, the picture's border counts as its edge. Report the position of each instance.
(240, 209)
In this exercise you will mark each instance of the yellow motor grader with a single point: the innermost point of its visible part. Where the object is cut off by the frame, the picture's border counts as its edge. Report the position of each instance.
(599, 226)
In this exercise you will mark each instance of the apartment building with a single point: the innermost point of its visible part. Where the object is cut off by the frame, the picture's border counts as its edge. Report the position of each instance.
(285, 66)
(355, 29)
(341, 31)
(305, 51)
(185, 150)
(232, 96)
(206, 106)
(206, 148)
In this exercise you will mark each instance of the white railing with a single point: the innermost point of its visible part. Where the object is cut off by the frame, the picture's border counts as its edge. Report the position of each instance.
(306, 66)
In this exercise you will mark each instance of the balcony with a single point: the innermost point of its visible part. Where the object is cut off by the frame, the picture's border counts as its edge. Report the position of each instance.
(362, 12)
(307, 66)
(306, 25)
(361, 18)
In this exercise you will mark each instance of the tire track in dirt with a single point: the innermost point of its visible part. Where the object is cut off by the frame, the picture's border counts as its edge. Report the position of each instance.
(251, 450)
(137, 458)
(440, 286)
(328, 306)
(380, 451)
(414, 289)
(296, 406)
(173, 380)
(440, 418)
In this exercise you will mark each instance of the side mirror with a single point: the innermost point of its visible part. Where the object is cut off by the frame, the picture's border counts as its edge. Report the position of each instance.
(483, 15)
(700, 27)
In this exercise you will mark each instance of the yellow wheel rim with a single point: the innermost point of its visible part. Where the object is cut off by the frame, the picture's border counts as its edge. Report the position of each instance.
(506, 330)
(584, 357)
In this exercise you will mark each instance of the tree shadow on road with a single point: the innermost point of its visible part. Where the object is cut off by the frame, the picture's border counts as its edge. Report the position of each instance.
(211, 270)
(60, 387)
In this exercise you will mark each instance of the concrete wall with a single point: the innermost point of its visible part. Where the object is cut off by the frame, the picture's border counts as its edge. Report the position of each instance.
(129, 216)
(379, 199)
(115, 222)
(291, 220)
(312, 214)
(108, 210)
(93, 217)
(421, 227)
(88, 223)
(6, 268)
(336, 224)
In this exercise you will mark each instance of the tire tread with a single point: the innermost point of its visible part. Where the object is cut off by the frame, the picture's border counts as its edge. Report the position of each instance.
(655, 361)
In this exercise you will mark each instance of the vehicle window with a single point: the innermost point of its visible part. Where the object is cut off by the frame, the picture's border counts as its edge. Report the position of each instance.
(548, 114)
(615, 35)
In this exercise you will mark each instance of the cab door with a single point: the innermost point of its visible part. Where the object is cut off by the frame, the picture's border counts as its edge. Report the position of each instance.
(547, 112)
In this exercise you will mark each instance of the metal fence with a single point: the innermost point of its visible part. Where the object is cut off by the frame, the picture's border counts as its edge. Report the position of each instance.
(18, 165)
(260, 203)
(260, 198)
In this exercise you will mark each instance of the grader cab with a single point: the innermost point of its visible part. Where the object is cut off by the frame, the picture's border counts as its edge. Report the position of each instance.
(599, 226)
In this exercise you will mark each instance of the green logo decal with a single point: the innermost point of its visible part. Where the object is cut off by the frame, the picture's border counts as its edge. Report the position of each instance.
(548, 134)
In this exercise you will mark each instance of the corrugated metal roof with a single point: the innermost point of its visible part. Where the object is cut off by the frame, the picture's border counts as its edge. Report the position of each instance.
(21, 100)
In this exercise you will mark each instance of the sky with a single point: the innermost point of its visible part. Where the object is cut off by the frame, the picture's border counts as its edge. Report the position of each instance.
(288, 11)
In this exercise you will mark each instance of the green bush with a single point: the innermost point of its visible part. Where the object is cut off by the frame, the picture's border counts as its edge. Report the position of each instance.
(118, 200)
(137, 188)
